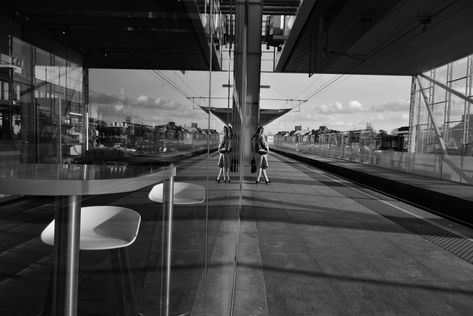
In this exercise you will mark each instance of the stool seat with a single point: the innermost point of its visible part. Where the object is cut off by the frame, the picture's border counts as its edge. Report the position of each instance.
(184, 193)
(102, 227)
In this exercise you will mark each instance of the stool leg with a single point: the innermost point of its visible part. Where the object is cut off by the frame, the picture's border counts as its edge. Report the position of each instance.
(117, 273)
(153, 253)
(123, 282)
(49, 296)
(128, 279)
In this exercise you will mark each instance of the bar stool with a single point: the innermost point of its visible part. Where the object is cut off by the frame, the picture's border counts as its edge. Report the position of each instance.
(184, 193)
(108, 228)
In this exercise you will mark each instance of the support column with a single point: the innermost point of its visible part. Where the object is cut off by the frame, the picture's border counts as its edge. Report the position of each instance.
(413, 118)
(247, 70)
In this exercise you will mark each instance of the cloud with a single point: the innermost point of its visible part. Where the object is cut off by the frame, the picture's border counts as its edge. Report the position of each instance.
(101, 98)
(142, 98)
(147, 102)
(355, 106)
(395, 106)
(351, 115)
(143, 109)
(118, 107)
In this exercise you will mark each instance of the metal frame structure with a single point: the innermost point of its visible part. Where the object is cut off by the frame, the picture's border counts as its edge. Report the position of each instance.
(445, 95)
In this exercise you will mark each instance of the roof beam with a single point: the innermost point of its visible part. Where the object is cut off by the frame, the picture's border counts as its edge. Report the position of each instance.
(77, 21)
(60, 6)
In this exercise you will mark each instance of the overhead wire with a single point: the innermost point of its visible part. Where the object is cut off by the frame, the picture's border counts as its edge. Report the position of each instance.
(310, 85)
(319, 90)
(384, 45)
(164, 80)
(281, 93)
(324, 87)
(171, 83)
(176, 73)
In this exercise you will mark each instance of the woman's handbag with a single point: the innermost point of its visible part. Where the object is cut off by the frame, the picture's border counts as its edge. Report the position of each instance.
(233, 166)
(253, 165)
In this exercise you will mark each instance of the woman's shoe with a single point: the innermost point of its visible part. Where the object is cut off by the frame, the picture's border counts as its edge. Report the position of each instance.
(257, 182)
(224, 181)
(267, 181)
(218, 180)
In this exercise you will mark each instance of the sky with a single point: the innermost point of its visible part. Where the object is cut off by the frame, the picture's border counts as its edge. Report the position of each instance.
(349, 103)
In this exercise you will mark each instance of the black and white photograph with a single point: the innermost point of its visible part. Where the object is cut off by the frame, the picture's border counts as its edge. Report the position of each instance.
(236, 157)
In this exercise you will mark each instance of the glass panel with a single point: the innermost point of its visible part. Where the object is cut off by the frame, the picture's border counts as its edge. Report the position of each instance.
(30, 85)
(459, 68)
(440, 74)
(22, 106)
(439, 94)
(47, 109)
(454, 137)
(438, 112)
(158, 126)
(459, 85)
(457, 108)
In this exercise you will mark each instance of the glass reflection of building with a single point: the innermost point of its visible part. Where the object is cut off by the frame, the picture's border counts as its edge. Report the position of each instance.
(41, 100)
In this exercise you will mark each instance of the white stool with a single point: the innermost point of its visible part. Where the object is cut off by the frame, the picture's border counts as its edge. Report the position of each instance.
(184, 193)
(107, 228)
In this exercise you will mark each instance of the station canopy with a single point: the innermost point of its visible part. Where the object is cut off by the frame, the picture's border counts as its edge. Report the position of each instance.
(266, 115)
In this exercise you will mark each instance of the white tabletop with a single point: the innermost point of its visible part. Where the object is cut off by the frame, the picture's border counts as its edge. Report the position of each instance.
(75, 179)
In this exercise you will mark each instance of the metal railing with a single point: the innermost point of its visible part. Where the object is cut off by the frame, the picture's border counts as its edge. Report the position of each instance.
(441, 166)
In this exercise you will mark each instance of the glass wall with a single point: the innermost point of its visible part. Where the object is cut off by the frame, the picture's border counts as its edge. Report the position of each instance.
(41, 107)
(158, 125)
(450, 114)
(440, 139)
(48, 115)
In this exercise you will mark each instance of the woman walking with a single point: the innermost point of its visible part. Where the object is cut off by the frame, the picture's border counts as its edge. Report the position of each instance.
(261, 149)
(224, 148)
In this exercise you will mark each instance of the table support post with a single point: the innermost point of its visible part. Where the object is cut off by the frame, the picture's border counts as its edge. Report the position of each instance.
(168, 200)
(66, 256)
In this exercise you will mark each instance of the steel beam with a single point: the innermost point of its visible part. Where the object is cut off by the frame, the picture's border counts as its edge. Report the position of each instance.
(427, 105)
(452, 91)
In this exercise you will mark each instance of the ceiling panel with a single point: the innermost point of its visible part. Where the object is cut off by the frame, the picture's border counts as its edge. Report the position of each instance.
(138, 34)
(390, 37)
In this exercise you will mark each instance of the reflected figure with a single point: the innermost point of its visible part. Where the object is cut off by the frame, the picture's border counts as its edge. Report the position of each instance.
(224, 148)
(261, 150)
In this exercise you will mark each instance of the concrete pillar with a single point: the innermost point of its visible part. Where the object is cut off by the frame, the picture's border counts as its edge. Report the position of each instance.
(247, 70)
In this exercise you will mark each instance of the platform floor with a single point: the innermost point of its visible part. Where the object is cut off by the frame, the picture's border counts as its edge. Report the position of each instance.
(313, 244)
(308, 243)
